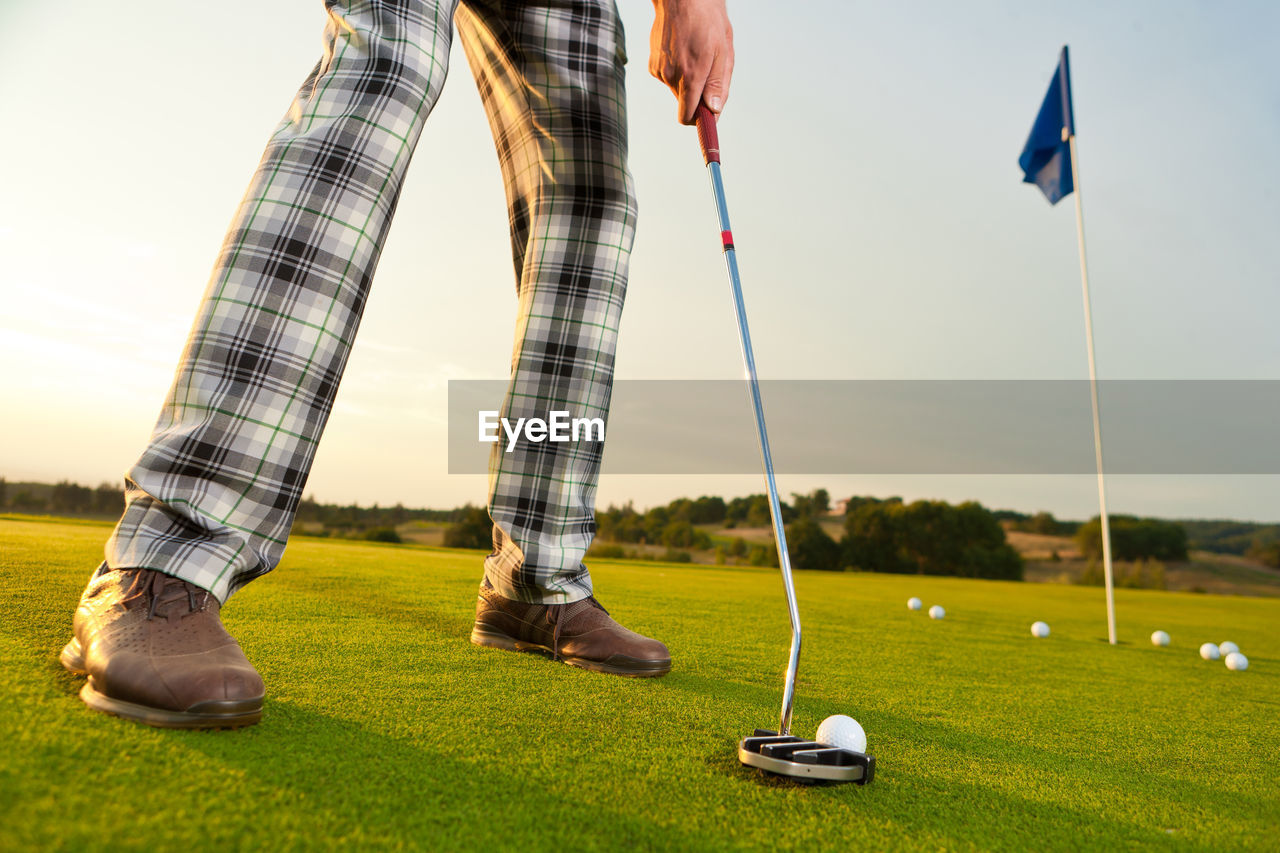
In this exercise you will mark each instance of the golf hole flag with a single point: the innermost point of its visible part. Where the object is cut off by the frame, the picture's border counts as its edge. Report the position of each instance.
(1046, 159)
(1050, 160)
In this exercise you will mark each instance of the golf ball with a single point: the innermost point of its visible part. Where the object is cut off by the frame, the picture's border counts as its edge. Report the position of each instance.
(1227, 648)
(1209, 651)
(936, 612)
(914, 603)
(1237, 662)
(1039, 629)
(1160, 638)
(844, 732)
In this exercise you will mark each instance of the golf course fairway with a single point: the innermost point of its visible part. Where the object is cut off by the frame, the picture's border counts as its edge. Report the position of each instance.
(384, 727)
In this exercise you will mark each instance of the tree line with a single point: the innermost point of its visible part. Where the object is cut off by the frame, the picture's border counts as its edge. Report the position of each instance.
(62, 498)
(883, 535)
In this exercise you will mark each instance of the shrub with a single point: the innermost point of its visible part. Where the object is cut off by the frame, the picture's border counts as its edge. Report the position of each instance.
(682, 534)
(607, 552)
(1139, 574)
(382, 534)
(811, 547)
(1267, 553)
(472, 530)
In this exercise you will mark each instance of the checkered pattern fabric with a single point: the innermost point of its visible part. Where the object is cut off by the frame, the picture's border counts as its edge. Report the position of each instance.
(213, 496)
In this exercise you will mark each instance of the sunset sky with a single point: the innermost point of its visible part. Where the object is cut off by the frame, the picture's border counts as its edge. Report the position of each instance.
(870, 156)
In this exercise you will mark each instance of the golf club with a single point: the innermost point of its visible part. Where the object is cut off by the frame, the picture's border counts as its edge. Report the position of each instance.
(777, 752)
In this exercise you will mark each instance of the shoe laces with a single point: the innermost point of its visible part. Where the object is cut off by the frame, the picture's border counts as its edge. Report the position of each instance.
(168, 592)
(555, 614)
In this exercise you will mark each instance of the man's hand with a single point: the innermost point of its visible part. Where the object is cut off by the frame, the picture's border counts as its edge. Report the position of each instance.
(691, 50)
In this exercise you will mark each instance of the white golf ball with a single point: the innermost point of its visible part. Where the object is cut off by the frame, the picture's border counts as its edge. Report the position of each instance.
(1209, 651)
(936, 612)
(1160, 638)
(1039, 629)
(1237, 662)
(844, 732)
(914, 603)
(1227, 648)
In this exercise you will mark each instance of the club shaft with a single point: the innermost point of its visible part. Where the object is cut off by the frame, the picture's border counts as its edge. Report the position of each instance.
(753, 384)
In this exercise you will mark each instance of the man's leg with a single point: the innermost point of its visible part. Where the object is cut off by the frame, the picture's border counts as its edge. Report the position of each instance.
(552, 80)
(213, 496)
(211, 500)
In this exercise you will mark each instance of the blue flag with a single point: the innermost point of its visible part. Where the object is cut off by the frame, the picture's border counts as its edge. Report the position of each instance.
(1046, 159)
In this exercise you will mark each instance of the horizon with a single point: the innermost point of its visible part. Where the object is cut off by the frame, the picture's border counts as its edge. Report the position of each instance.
(834, 497)
(881, 223)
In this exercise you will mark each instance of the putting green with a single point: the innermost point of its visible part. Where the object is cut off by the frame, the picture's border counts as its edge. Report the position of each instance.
(384, 727)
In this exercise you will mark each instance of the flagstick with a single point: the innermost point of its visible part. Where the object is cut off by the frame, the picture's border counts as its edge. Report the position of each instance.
(1093, 392)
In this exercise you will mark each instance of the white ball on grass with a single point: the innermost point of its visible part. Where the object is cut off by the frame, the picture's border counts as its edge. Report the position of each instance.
(914, 603)
(1227, 648)
(936, 612)
(1209, 651)
(1039, 629)
(1237, 662)
(1160, 638)
(842, 731)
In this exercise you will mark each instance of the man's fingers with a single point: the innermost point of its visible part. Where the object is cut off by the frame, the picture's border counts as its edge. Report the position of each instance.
(693, 81)
(691, 50)
(716, 91)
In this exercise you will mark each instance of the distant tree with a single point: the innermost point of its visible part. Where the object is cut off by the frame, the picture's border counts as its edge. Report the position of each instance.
(108, 499)
(753, 511)
(810, 547)
(738, 547)
(682, 534)
(851, 505)
(473, 530)
(1134, 538)
(382, 534)
(816, 503)
(1043, 523)
(1228, 537)
(1266, 552)
(652, 523)
(708, 510)
(763, 555)
(4, 493)
(930, 538)
(25, 501)
(70, 497)
(620, 524)
(1010, 515)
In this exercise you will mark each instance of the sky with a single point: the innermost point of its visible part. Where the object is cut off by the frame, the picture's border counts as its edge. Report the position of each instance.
(870, 159)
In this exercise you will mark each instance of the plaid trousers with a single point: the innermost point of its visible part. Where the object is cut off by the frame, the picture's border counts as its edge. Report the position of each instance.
(213, 495)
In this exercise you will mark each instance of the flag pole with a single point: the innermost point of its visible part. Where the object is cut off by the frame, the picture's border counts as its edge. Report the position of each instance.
(1093, 391)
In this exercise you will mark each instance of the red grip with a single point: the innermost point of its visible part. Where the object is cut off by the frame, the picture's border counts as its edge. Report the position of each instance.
(707, 136)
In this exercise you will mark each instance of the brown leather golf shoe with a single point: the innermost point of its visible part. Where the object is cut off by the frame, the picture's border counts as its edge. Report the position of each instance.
(155, 651)
(581, 634)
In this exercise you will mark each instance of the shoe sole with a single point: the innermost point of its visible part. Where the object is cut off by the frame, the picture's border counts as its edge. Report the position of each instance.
(623, 665)
(214, 714)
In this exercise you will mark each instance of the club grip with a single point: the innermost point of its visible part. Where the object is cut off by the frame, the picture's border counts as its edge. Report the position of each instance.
(707, 136)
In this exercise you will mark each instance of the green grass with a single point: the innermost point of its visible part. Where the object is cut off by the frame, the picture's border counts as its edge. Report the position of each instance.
(384, 727)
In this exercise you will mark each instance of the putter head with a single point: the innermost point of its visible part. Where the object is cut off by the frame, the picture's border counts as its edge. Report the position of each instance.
(805, 760)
